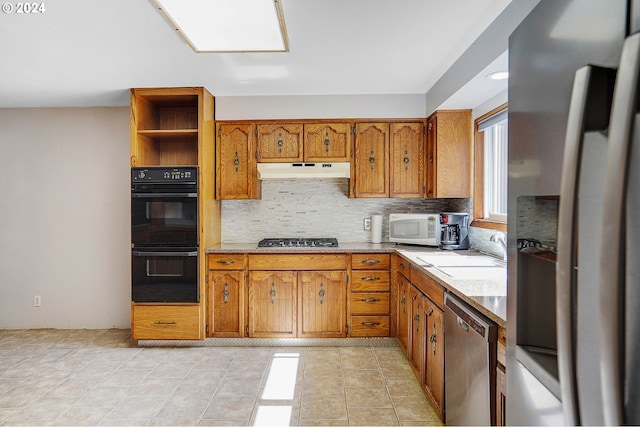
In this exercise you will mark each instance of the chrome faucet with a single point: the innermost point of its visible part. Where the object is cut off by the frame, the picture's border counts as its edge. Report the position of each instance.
(499, 238)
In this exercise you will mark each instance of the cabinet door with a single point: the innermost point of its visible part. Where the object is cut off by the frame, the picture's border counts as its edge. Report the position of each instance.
(432, 136)
(417, 335)
(236, 166)
(226, 304)
(370, 174)
(327, 142)
(272, 304)
(434, 371)
(407, 160)
(279, 143)
(404, 312)
(322, 304)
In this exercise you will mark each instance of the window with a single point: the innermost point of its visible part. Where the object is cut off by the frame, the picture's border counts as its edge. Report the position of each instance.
(490, 172)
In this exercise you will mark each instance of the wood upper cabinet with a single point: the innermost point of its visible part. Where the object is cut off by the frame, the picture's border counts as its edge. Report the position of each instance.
(280, 142)
(272, 303)
(322, 304)
(434, 355)
(449, 154)
(236, 162)
(370, 169)
(327, 142)
(407, 160)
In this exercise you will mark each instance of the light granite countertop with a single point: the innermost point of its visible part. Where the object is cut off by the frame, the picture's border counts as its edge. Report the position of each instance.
(487, 293)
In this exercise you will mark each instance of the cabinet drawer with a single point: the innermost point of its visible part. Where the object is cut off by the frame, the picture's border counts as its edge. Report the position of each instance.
(370, 281)
(167, 322)
(427, 286)
(298, 262)
(226, 261)
(370, 326)
(369, 303)
(403, 267)
(370, 261)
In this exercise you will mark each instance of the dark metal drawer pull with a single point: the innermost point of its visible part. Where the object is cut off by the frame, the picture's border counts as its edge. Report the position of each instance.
(229, 262)
(165, 323)
(370, 300)
(370, 278)
(370, 323)
(371, 261)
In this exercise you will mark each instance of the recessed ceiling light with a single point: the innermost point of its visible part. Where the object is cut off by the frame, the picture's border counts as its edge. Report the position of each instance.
(498, 75)
(228, 25)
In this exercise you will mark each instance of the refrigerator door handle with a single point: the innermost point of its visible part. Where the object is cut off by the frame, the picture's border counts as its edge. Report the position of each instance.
(612, 260)
(589, 111)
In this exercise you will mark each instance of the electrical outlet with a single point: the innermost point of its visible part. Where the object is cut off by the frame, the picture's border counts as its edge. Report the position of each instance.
(37, 301)
(367, 224)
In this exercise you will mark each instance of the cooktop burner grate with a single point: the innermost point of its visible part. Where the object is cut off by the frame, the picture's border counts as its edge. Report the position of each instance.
(299, 243)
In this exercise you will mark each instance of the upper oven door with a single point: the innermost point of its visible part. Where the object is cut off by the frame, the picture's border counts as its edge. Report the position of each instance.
(160, 217)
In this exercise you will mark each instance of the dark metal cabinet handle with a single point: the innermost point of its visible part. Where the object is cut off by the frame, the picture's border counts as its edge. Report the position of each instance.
(236, 161)
(370, 300)
(370, 323)
(401, 266)
(406, 160)
(430, 312)
(372, 278)
(327, 141)
(225, 293)
(321, 293)
(273, 293)
(165, 323)
(433, 339)
(280, 142)
(372, 160)
(371, 261)
(226, 262)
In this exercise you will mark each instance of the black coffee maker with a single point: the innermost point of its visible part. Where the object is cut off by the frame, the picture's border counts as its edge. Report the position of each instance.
(454, 230)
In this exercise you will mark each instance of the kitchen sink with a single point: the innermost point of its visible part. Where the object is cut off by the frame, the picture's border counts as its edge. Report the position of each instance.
(465, 266)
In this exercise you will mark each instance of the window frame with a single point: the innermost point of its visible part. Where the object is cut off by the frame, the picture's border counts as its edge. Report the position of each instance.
(478, 176)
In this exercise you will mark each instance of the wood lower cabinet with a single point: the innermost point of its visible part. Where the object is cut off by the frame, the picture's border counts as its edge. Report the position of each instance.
(322, 305)
(225, 302)
(434, 355)
(417, 334)
(369, 300)
(501, 379)
(272, 304)
(404, 314)
(166, 322)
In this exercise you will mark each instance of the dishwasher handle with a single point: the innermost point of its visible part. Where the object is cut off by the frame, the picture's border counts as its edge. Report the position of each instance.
(470, 320)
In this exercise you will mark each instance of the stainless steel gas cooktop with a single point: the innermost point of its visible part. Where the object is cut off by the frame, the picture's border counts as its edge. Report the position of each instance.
(299, 243)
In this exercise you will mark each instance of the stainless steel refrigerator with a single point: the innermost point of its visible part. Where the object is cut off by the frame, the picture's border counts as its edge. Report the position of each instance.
(573, 335)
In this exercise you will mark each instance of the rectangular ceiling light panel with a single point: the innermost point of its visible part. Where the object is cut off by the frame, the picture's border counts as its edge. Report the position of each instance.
(228, 25)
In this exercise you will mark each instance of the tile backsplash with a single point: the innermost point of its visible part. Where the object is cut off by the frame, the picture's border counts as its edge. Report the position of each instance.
(317, 208)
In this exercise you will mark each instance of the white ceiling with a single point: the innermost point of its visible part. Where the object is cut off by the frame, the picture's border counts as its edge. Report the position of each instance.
(90, 52)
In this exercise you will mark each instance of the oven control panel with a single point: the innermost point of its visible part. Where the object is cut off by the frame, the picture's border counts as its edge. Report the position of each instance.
(164, 174)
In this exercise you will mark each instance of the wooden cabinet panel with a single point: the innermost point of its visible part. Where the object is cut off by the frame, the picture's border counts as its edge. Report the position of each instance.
(225, 302)
(280, 142)
(272, 304)
(369, 326)
(404, 267)
(434, 356)
(449, 154)
(427, 286)
(165, 322)
(327, 142)
(236, 162)
(370, 168)
(370, 261)
(370, 281)
(404, 313)
(322, 304)
(417, 334)
(317, 261)
(407, 160)
(364, 303)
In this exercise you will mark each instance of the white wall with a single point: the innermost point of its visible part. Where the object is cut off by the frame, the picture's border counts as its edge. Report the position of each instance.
(64, 221)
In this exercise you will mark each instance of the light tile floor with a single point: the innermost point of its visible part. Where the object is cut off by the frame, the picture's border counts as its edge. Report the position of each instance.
(100, 377)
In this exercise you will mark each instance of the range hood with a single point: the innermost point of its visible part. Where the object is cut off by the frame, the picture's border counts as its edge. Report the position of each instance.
(303, 170)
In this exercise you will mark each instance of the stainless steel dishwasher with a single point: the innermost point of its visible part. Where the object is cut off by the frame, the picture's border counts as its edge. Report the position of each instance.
(469, 364)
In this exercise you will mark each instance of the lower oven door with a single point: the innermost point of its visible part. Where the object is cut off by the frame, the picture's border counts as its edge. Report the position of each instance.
(164, 275)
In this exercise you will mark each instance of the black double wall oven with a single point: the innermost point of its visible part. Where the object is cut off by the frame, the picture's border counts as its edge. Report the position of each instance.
(164, 234)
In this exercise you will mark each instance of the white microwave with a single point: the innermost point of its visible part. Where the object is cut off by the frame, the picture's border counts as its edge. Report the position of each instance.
(416, 229)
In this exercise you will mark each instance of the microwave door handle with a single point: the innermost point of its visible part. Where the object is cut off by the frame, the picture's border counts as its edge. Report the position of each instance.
(588, 111)
(623, 114)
